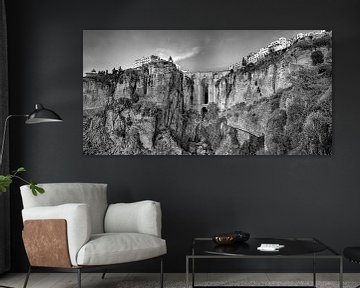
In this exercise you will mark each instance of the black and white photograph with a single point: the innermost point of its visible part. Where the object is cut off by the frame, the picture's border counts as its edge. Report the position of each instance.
(207, 92)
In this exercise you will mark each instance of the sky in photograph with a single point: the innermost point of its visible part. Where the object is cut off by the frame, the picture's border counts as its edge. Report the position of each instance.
(193, 50)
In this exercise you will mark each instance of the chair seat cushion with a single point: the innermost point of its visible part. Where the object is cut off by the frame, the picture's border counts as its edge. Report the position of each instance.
(352, 253)
(114, 248)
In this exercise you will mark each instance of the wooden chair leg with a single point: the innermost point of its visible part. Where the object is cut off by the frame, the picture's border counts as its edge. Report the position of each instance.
(27, 277)
(79, 278)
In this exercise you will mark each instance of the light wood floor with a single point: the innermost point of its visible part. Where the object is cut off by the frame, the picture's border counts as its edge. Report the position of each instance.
(68, 280)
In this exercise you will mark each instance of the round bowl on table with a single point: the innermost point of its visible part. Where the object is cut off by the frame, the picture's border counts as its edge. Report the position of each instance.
(231, 238)
(225, 239)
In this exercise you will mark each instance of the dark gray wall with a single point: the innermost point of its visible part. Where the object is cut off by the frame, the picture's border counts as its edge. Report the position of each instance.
(268, 196)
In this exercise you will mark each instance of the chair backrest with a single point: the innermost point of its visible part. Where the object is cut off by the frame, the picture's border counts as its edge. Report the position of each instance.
(62, 193)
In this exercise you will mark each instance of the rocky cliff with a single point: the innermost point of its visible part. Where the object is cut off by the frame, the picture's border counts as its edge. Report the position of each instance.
(281, 105)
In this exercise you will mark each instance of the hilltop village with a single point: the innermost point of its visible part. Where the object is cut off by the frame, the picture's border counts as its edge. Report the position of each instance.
(279, 45)
(274, 47)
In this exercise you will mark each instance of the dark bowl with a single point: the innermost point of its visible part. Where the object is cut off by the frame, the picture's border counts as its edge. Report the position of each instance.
(225, 239)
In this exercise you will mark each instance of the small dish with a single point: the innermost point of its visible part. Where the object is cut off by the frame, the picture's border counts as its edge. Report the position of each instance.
(225, 239)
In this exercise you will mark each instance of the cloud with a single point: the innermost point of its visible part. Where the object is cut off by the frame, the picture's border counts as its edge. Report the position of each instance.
(178, 56)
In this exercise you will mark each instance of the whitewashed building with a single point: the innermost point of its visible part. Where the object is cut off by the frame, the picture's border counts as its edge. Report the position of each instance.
(313, 33)
(252, 57)
(277, 45)
(145, 60)
(280, 44)
(264, 52)
(92, 73)
(300, 36)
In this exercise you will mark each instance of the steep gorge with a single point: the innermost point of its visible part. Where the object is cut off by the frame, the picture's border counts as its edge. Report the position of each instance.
(279, 106)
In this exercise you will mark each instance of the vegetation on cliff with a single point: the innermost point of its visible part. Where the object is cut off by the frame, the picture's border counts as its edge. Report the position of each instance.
(286, 108)
(304, 124)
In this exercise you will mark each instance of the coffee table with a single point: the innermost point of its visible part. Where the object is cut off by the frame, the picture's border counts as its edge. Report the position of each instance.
(295, 248)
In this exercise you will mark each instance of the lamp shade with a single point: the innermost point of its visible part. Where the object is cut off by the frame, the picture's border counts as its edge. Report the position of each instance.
(42, 115)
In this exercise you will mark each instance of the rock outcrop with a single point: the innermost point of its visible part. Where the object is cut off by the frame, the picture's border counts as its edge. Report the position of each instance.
(281, 105)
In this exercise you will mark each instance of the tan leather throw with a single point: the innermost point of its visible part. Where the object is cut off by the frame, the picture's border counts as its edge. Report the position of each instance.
(46, 243)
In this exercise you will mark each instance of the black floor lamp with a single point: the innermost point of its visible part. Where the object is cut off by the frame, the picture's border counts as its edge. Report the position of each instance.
(39, 115)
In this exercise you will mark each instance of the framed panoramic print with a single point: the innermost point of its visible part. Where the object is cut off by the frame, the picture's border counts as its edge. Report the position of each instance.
(207, 92)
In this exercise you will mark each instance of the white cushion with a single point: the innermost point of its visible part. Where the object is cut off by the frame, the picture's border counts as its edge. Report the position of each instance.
(138, 217)
(114, 248)
(62, 193)
(77, 218)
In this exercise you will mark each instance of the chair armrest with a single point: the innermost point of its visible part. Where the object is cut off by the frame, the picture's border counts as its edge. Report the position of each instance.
(77, 218)
(138, 217)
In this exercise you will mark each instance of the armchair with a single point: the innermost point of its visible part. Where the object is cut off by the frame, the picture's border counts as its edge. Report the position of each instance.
(71, 228)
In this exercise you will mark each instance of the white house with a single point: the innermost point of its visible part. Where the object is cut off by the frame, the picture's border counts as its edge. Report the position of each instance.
(250, 58)
(277, 45)
(92, 73)
(300, 36)
(145, 60)
(263, 52)
(273, 44)
(253, 58)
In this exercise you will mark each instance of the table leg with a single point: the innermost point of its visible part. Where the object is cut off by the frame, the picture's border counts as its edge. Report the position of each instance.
(187, 272)
(193, 267)
(193, 272)
(314, 271)
(341, 273)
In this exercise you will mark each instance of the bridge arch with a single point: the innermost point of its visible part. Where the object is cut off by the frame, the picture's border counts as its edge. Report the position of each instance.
(204, 91)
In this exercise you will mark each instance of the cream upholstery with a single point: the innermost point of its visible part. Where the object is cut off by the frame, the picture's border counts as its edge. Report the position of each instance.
(113, 248)
(77, 217)
(133, 230)
(139, 217)
(62, 193)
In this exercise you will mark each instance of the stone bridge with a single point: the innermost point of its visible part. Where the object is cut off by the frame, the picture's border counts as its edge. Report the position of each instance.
(205, 89)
